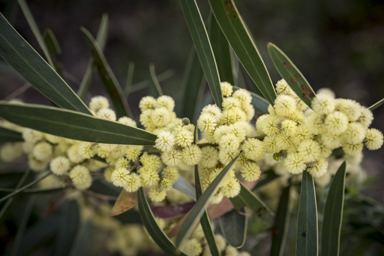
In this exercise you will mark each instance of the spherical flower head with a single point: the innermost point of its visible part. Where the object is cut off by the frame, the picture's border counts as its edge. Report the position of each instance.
(226, 89)
(170, 173)
(243, 96)
(249, 111)
(86, 150)
(230, 103)
(226, 156)
(146, 119)
(253, 149)
(127, 121)
(161, 117)
(260, 121)
(271, 125)
(336, 123)
(122, 162)
(288, 127)
(350, 108)
(352, 149)
(354, 133)
(32, 136)
(10, 152)
(36, 165)
(73, 154)
(366, 117)
(220, 132)
(309, 150)
(331, 141)
(373, 139)
(206, 123)
(147, 103)
(231, 251)
(282, 87)
(184, 137)
(319, 168)
(60, 165)
(192, 247)
(191, 155)
(326, 91)
(231, 188)
(120, 177)
(98, 102)
(212, 110)
(80, 177)
(149, 177)
(165, 101)
(284, 142)
(157, 194)
(228, 117)
(42, 151)
(285, 105)
(314, 123)
(323, 104)
(239, 114)
(295, 163)
(229, 142)
(165, 141)
(270, 144)
(210, 157)
(239, 129)
(151, 161)
(133, 183)
(53, 139)
(172, 158)
(298, 117)
(133, 152)
(250, 171)
(107, 114)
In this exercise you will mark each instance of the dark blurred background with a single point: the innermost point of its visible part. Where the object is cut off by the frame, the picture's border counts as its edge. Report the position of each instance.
(336, 44)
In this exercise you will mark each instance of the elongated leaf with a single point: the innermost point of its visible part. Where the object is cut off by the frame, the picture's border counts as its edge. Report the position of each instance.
(193, 87)
(124, 202)
(74, 125)
(53, 49)
(36, 32)
(280, 227)
(29, 64)
(291, 74)
(204, 221)
(101, 39)
(153, 229)
(146, 83)
(376, 105)
(203, 48)
(7, 135)
(233, 226)
(239, 38)
(307, 243)
(222, 52)
(333, 214)
(200, 207)
(128, 83)
(185, 187)
(247, 198)
(108, 77)
(259, 104)
(155, 88)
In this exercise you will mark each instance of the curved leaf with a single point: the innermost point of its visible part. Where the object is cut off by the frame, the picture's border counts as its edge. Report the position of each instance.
(7, 135)
(30, 65)
(153, 229)
(280, 226)
(333, 214)
(155, 88)
(306, 243)
(74, 125)
(259, 104)
(146, 83)
(53, 49)
(108, 77)
(128, 83)
(233, 226)
(203, 48)
(376, 105)
(291, 74)
(124, 202)
(200, 207)
(235, 31)
(185, 187)
(101, 39)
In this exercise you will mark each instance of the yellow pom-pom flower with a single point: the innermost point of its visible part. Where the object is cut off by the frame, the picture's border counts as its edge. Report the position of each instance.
(107, 114)
(161, 117)
(213, 110)
(309, 150)
(85, 150)
(230, 103)
(191, 155)
(206, 123)
(318, 169)
(120, 177)
(147, 103)
(250, 171)
(295, 163)
(149, 177)
(184, 137)
(60, 165)
(354, 133)
(165, 141)
(323, 104)
(229, 142)
(352, 149)
(42, 151)
(133, 152)
(243, 96)
(210, 157)
(127, 121)
(170, 173)
(285, 105)
(350, 108)
(373, 139)
(165, 101)
(227, 156)
(98, 102)
(172, 158)
(336, 123)
(133, 183)
(253, 149)
(192, 247)
(226, 89)
(231, 188)
(314, 123)
(157, 194)
(80, 177)
(32, 136)
(288, 127)
(271, 125)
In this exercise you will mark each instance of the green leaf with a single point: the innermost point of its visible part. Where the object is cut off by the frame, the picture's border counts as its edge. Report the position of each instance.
(101, 40)
(74, 125)
(29, 64)
(280, 226)
(7, 135)
(376, 105)
(233, 226)
(36, 32)
(128, 84)
(291, 74)
(259, 104)
(151, 226)
(306, 243)
(193, 87)
(185, 187)
(333, 214)
(108, 77)
(204, 221)
(146, 83)
(222, 51)
(53, 49)
(260, 209)
(203, 48)
(239, 38)
(155, 88)
(200, 207)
